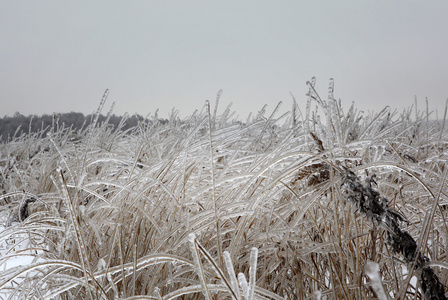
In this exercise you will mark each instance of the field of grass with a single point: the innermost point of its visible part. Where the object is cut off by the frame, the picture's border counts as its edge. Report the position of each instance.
(325, 203)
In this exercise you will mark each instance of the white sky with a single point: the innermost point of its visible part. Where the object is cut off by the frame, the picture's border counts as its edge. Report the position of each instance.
(60, 56)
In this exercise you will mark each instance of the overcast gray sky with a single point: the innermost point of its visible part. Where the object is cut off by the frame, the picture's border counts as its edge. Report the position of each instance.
(60, 56)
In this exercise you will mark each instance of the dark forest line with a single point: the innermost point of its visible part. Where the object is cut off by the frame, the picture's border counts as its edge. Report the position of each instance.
(17, 125)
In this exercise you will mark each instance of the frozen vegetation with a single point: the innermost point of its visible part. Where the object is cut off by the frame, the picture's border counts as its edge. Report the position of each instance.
(324, 203)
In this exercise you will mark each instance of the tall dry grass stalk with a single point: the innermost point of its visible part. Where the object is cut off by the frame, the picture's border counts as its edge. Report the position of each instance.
(212, 207)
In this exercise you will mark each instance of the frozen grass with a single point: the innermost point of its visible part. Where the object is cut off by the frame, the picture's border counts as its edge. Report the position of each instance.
(210, 207)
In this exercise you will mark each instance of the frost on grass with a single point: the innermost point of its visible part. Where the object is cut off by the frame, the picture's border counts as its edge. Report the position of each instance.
(369, 202)
(373, 272)
(173, 208)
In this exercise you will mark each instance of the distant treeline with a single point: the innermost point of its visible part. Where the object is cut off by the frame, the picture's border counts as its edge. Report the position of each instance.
(19, 124)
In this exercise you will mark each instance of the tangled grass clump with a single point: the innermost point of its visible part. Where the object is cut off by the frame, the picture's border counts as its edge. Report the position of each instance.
(213, 207)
